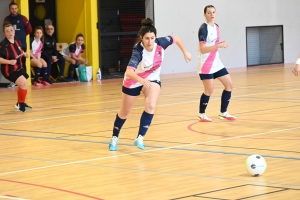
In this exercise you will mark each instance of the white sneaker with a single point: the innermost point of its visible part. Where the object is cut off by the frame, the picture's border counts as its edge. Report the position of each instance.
(113, 144)
(203, 118)
(139, 142)
(226, 115)
(11, 85)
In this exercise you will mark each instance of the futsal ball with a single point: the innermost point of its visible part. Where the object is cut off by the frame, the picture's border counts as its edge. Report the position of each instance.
(256, 165)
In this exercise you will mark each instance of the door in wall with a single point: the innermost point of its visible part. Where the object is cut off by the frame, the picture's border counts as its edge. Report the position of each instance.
(119, 23)
(42, 12)
(264, 45)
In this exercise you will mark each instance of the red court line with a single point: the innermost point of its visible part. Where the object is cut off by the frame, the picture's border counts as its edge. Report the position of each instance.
(52, 188)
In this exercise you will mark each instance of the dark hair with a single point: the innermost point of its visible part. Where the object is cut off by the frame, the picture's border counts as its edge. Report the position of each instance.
(39, 28)
(12, 4)
(79, 35)
(147, 27)
(6, 24)
(208, 6)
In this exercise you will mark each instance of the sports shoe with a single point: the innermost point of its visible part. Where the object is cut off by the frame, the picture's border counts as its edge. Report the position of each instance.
(72, 80)
(203, 118)
(226, 115)
(139, 142)
(113, 144)
(11, 85)
(49, 80)
(21, 107)
(62, 79)
(27, 107)
(45, 83)
(37, 83)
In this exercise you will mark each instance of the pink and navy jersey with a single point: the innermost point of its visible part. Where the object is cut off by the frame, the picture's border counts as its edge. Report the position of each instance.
(36, 47)
(72, 49)
(147, 64)
(209, 63)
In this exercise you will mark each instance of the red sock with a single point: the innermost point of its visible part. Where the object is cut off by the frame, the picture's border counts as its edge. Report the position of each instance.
(21, 95)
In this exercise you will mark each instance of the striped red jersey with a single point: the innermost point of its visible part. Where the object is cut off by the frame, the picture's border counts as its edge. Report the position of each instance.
(11, 51)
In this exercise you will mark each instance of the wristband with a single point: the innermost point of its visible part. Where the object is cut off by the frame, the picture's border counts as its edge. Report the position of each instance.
(298, 61)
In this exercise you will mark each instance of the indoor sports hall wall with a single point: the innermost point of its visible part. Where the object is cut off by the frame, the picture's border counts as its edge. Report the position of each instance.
(183, 18)
(4, 11)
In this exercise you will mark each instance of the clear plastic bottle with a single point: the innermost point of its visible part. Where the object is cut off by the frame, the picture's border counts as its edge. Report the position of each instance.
(99, 74)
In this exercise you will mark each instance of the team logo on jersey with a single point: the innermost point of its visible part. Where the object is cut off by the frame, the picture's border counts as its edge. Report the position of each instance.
(146, 65)
(159, 53)
(168, 38)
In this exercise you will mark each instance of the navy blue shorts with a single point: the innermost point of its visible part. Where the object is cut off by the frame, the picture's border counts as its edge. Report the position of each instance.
(136, 91)
(221, 72)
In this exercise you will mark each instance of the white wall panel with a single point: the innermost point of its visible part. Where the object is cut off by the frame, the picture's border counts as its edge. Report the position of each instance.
(183, 18)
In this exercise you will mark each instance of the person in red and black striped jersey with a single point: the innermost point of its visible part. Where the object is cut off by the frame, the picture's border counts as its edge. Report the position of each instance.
(12, 66)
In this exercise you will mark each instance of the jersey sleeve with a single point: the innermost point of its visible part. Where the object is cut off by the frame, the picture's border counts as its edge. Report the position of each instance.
(202, 33)
(2, 50)
(136, 57)
(165, 41)
(27, 25)
(82, 48)
(72, 48)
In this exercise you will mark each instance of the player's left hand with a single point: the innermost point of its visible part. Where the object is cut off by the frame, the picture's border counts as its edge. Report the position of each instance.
(296, 70)
(187, 57)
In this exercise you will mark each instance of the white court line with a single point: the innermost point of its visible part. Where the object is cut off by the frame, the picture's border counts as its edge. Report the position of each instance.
(162, 104)
(141, 152)
(14, 198)
(162, 95)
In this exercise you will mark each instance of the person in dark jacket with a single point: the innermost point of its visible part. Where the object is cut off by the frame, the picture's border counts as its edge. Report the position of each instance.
(51, 55)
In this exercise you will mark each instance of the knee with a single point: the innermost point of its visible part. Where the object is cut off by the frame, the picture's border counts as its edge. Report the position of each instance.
(123, 113)
(150, 107)
(209, 91)
(23, 84)
(39, 65)
(229, 87)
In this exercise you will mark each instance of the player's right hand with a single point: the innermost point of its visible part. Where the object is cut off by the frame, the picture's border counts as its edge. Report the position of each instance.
(146, 83)
(223, 44)
(12, 62)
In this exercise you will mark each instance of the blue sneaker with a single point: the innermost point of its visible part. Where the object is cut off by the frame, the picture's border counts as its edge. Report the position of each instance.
(139, 142)
(113, 144)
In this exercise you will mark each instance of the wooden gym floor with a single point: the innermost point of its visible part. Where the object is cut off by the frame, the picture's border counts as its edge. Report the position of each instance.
(59, 150)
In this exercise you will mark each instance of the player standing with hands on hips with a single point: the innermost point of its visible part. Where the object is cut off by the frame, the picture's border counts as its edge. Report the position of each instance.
(143, 75)
(210, 67)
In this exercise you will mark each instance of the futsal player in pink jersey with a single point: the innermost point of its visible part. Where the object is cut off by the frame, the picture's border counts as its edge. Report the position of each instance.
(210, 67)
(143, 75)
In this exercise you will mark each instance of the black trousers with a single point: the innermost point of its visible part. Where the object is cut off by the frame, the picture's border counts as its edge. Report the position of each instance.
(53, 71)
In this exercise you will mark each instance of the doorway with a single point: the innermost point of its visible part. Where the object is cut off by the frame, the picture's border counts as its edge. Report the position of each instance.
(119, 23)
(42, 13)
(264, 45)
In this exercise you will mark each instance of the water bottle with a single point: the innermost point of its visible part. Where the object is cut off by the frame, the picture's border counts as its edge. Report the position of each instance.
(99, 74)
